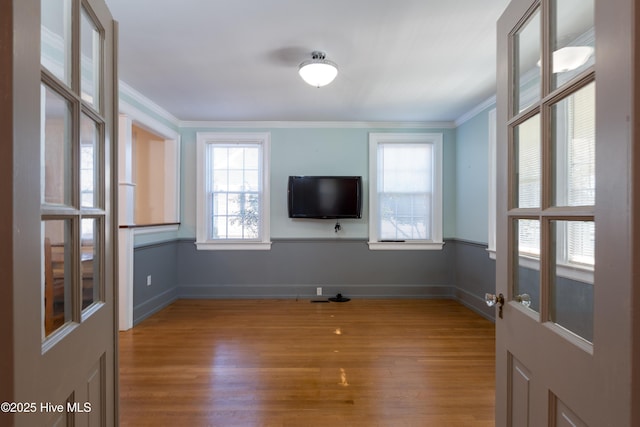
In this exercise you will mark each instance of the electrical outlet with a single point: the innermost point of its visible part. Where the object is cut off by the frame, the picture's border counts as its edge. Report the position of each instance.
(319, 290)
(149, 280)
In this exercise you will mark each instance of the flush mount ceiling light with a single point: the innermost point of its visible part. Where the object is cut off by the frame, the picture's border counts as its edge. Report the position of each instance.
(318, 71)
(570, 58)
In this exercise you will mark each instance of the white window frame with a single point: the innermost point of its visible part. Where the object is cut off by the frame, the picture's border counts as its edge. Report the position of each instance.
(202, 241)
(436, 242)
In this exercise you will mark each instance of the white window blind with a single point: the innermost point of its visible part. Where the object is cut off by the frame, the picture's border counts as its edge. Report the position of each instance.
(404, 191)
(528, 162)
(581, 173)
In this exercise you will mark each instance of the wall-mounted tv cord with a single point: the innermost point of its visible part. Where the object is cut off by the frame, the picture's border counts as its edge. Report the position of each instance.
(338, 227)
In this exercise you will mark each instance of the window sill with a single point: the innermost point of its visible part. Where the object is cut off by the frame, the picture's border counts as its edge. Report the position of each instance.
(404, 246)
(567, 271)
(233, 246)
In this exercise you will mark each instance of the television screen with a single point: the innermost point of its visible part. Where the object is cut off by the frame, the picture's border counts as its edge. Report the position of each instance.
(325, 197)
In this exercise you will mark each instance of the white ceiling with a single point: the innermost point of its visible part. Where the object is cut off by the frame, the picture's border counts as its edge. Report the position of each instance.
(226, 60)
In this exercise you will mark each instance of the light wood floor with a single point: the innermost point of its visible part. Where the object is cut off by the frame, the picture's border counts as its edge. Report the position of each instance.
(389, 363)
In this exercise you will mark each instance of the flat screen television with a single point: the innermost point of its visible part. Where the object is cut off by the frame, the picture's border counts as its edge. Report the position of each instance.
(325, 197)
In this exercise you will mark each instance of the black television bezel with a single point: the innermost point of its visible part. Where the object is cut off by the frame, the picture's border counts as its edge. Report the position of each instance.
(358, 180)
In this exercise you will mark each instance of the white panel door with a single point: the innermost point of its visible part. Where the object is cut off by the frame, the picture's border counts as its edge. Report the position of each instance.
(564, 347)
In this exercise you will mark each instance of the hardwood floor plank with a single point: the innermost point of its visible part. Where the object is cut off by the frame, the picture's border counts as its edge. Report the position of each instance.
(295, 363)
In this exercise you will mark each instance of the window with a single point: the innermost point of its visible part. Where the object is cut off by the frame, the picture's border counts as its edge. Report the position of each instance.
(574, 146)
(405, 191)
(233, 191)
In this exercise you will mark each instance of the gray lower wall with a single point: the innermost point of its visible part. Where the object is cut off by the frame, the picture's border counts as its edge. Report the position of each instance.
(475, 275)
(571, 301)
(294, 268)
(159, 261)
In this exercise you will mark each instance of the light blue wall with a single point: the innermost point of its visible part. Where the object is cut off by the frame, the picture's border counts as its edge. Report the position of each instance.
(344, 151)
(472, 178)
(316, 152)
(313, 151)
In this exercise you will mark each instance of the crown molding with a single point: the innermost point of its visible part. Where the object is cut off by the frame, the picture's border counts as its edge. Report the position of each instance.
(475, 111)
(317, 125)
(127, 90)
(136, 96)
(148, 121)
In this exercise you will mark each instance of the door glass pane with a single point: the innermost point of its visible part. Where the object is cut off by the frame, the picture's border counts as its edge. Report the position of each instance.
(526, 263)
(55, 38)
(89, 162)
(57, 268)
(527, 163)
(572, 39)
(90, 260)
(90, 49)
(527, 85)
(574, 144)
(56, 149)
(571, 281)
